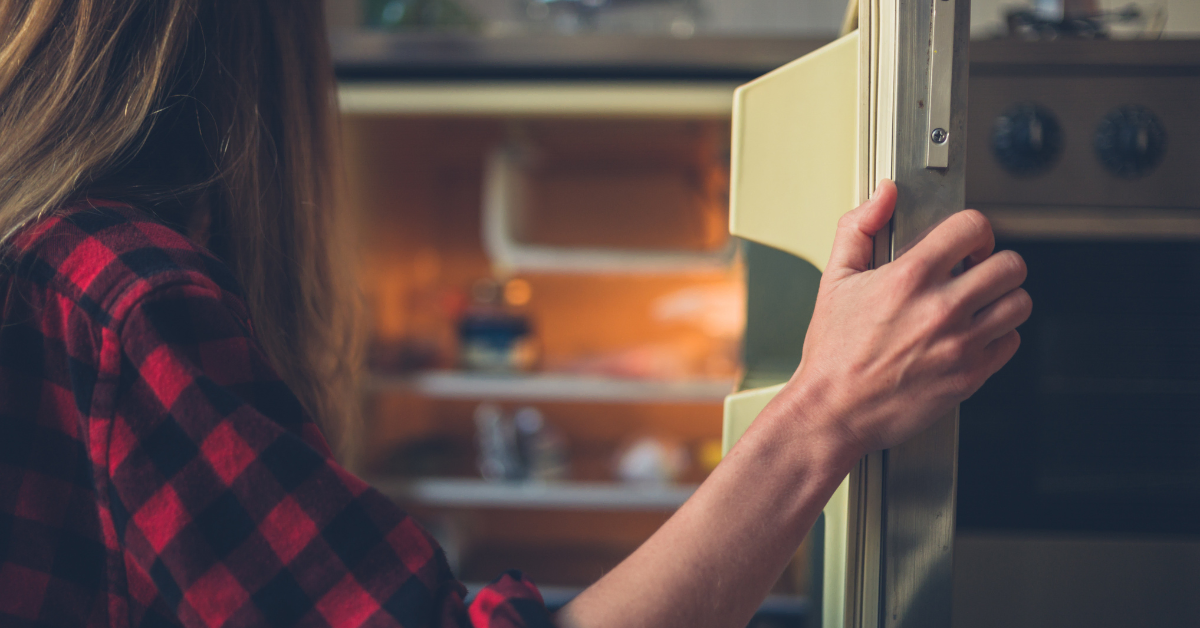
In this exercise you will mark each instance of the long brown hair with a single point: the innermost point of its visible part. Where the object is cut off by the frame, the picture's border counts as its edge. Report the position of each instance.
(217, 116)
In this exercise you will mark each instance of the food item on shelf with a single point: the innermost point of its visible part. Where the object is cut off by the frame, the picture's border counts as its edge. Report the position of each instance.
(493, 337)
(498, 458)
(708, 454)
(651, 461)
(523, 447)
(542, 448)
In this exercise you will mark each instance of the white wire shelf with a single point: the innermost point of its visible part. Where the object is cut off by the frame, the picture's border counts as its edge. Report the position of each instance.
(474, 493)
(551, 387)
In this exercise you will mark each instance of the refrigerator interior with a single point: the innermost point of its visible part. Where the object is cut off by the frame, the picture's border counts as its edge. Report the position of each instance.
(622, 357)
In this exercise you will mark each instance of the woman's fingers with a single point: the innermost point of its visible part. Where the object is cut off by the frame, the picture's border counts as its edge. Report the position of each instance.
(988, 280)
(997, 353)
(1002, 316)
(983, 252)
(852, 245)
(966, 235)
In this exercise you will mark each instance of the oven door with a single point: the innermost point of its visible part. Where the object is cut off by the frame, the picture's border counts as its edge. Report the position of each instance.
(1079, 466)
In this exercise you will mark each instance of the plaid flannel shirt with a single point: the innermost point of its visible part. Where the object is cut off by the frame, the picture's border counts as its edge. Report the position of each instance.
(154, 470)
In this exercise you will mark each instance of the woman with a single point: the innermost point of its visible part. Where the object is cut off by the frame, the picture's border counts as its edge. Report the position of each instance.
(173, 325)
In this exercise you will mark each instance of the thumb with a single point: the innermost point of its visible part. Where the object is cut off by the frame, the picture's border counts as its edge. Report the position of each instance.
(852, 246)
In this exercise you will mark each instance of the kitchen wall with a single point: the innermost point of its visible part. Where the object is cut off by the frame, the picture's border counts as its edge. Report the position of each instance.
(810, 18)
(786, 17)
(823, 17)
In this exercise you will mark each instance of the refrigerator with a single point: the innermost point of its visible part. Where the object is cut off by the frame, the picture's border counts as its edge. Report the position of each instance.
(810, 141)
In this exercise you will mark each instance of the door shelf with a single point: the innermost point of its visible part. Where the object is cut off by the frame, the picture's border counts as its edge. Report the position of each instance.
(550, 387)
(475, 493)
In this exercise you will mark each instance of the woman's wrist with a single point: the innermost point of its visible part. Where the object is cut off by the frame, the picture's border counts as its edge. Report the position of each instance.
(818, 422)
(796, 449)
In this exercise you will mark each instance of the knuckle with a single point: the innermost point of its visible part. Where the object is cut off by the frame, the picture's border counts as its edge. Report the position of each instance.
(1014, 264)
(967, 383)
(944, 308)
(951, 355)
(960, 351)
(912, 270)
(966, 379)
(959, 384)
(975, 221)
(1024, 301)
(848, 220)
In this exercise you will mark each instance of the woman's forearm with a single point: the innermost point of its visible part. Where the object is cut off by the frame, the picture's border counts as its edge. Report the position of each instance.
(715, 560)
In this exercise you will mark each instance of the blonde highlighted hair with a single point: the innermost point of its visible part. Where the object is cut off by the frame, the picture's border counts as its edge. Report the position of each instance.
(217, 116)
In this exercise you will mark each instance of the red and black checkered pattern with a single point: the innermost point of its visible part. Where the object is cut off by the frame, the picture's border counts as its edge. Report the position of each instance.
(154, 470)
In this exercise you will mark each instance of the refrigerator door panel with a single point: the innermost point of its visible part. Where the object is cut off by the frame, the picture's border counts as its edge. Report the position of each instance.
(740, 410)
(787, 194)
(794, 140)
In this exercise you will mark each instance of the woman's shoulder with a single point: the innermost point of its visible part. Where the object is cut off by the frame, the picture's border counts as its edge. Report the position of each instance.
(102, 254)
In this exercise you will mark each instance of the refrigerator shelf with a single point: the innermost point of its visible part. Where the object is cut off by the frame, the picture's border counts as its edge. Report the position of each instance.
(361, 54)
(550, 387)
(476, 493)
(680, 99)
(557, 596)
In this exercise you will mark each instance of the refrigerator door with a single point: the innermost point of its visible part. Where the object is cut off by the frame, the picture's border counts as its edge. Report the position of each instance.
(810, 141)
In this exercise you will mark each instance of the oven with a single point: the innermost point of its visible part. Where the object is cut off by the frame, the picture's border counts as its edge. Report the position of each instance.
(1079, 462)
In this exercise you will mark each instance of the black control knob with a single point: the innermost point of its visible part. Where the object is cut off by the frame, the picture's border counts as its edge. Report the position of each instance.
(1026, 139)
(1130, 141)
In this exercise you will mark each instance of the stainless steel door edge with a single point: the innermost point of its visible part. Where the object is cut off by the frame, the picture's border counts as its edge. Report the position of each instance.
(919, 477)
(902, 501)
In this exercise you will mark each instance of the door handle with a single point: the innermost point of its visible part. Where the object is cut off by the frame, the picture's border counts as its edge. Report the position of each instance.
(941, 63)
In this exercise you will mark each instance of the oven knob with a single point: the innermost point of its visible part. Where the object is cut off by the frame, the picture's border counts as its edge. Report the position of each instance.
(1130, 141)
(1026, 139)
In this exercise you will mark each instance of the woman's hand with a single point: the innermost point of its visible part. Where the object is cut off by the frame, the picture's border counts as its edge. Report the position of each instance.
(890, 350)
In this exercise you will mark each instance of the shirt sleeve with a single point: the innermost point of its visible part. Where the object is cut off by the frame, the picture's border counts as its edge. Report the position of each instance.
(229, 509)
